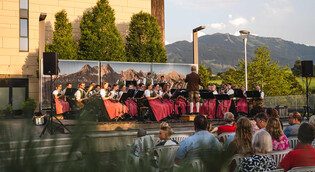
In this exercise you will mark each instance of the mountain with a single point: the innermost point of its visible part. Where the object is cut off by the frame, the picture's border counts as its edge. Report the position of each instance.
(222, 51)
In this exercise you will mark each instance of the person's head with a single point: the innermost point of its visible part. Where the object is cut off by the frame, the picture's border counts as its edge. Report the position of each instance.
(272, 113)
(312, 120)
(229, 85)
(306, 133)
(258, 87)
(214, 87)
(200, 123)
(162, 77)
(243, 88)
(82, 85)
(261, 120)
(69, 85)
(59, 87)
(209, 87)
(165, 131)
(148, 86)
(141, 132)
(136, 77)
(123, 88)
(243, 134)
(256, 110)
(223, 86)
(93, 83)
(274, 128)
(105, 85)
(235, 86)
(149, 74)
(143, 87)
(193, 68)
(166, 87)
(115, 87)
(229, 117)
(180, 85)
(262, 142)
(156, 86)
(295, 118)
(131, 87)
(97, 88)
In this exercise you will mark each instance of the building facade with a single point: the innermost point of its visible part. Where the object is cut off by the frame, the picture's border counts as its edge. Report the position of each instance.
(23, 36)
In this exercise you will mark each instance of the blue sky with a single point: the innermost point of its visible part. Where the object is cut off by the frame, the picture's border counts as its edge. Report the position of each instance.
(292, 20)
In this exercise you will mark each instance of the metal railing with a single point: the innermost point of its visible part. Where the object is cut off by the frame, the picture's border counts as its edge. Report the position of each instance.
(291, 101)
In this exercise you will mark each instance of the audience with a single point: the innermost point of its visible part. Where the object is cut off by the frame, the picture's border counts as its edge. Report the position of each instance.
(136, 147)
(273, 113)
(202, 139)
(261, 120)
(304, 153)
(260, 161)
(279, 140)
(295, 122)
(165, 134)
(228, 127)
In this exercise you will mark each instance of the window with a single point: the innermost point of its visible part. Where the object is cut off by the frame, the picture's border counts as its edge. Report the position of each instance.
(24, 43)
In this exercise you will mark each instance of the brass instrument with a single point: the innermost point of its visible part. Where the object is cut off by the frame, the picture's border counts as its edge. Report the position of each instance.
(185, 85)
(89, 90)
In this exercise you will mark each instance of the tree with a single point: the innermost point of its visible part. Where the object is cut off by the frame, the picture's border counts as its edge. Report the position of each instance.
(204, 76)
(63, 42)
(209, 70)
(297, 69)
(144, 40)
(100, 38)
(274, 79)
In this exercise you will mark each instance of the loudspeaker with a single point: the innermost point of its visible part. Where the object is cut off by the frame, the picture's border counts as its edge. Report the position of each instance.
(50, 60)
(307, 68)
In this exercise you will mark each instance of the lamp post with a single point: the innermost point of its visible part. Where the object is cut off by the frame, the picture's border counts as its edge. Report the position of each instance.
(244, 34)
(195, 42)
(41, 49)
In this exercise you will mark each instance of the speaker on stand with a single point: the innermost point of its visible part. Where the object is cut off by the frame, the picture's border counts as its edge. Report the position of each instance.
(307, 72)
(50, 67)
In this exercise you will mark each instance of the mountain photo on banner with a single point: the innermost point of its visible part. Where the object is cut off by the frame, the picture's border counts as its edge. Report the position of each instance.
(220, 52)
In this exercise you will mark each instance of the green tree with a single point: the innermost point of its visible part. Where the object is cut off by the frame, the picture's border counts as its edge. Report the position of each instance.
(100, 38)
(274, 79)
(204, 76)
(63, 42)
(144, 40)
(297, 68)
(209, 70)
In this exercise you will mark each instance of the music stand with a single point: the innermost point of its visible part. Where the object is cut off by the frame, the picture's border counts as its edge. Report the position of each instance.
(238, 93)
(207, 95)
(204, 91)
(173, 90)
(131, 92)
(139, 94)
(252, 94)
(123, 98)
(131, 83)
(162, 84)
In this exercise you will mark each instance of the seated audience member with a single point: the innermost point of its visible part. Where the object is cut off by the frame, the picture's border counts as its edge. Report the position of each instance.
(136, 147)
(273, 113)
(242, 140)
(165, 134)
(312, 122)
(295, 122)
(279, 140)
(304, 153)
(260, 161)
(228, 127)
(261, 120)
(202, 139)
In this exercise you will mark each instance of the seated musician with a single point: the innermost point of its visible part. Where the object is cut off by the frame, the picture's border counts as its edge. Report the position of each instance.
(224, 106)
(80, 95)
(214, 89)
(166, 95)
(209, 106)
(148, 79)
(242, 105)
(123, 89)
(121, 81)
(114, 108)
(136, 78)
(180, 101)
(61, 105)
(156, 89)
(259, 101)
(162, 80)
(154, 100)
(68, 85)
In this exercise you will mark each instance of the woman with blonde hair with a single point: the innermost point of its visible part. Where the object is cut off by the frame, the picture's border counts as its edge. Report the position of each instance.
(279, 140)
(165, 133)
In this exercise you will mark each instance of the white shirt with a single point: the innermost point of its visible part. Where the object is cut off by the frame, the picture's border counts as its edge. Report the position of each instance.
(55, 92)
(230, 92)
(147, 93)
(77, 94)
(114, 93)
(103, 93)
(262, 95)
(215, 92)
(121, 93)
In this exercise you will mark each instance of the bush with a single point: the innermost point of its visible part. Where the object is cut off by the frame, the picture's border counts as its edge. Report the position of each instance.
(28, 107)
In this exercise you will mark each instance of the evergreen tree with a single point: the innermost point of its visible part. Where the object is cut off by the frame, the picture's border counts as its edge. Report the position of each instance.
(100, 38)
(63, 42)
(275, 80)
(297, 68)
(204, 76)
(144, 40)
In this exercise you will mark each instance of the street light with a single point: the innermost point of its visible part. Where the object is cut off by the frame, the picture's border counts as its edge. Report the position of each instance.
(195, 42)
(244, 34)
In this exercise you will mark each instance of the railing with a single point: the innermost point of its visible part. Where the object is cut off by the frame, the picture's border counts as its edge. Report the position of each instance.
(291, 101)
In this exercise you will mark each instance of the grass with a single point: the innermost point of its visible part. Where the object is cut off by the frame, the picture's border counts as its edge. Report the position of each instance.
(312, 85)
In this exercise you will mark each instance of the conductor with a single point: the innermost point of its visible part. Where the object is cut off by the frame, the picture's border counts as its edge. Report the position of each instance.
(193, 80)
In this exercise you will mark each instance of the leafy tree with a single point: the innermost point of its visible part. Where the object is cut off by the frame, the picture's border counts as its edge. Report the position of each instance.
(209, 70)
(63, 42)
(297, 69)
(274, 79)
(204, 76)
(144, 40)
(100, 38)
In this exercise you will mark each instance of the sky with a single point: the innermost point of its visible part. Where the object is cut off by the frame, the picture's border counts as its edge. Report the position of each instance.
(292, 20)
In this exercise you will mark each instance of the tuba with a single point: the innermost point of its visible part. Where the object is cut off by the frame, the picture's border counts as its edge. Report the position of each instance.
(89, 90)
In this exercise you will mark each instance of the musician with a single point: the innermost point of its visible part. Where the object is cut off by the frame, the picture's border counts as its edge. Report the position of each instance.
(114, 95)
(180, 101)
(229, 89)
(242, 105)
(209, 107)
(80, 95)
(193, 80)
(104, 92)
(148, 79)
(226, 105)
(223, 89)
(209, 87)
(61, 106)
(214, 89)
(121, 81)
(162, 79)
(136, 78)
(69, 85)
(166, 95)
(123, 89)
(95, 91)
(156, 89)
(259, 101)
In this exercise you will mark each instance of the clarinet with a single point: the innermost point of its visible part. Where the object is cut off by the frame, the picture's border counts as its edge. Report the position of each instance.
(155, 94)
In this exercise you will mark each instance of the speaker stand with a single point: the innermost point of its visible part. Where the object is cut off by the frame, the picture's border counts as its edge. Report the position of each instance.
(307, 109)
(49, 123)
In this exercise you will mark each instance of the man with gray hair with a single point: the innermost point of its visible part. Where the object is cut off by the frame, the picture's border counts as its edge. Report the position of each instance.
(229, 127)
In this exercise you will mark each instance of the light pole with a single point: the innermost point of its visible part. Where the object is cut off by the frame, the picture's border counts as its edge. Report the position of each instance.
(244, 34)
(195, 42)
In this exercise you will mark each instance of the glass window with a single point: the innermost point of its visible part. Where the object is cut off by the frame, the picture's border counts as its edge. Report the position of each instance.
(23, 27)
(23, 4)
(18, 96)
(4, 97)
(23, 44)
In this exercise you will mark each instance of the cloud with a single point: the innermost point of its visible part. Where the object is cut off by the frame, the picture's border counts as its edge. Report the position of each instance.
(278, 7)
(230, 16)
(166, 42)
(204, 4)
(252, 18)
(201, 34)
(238, 21)
(218, 26)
